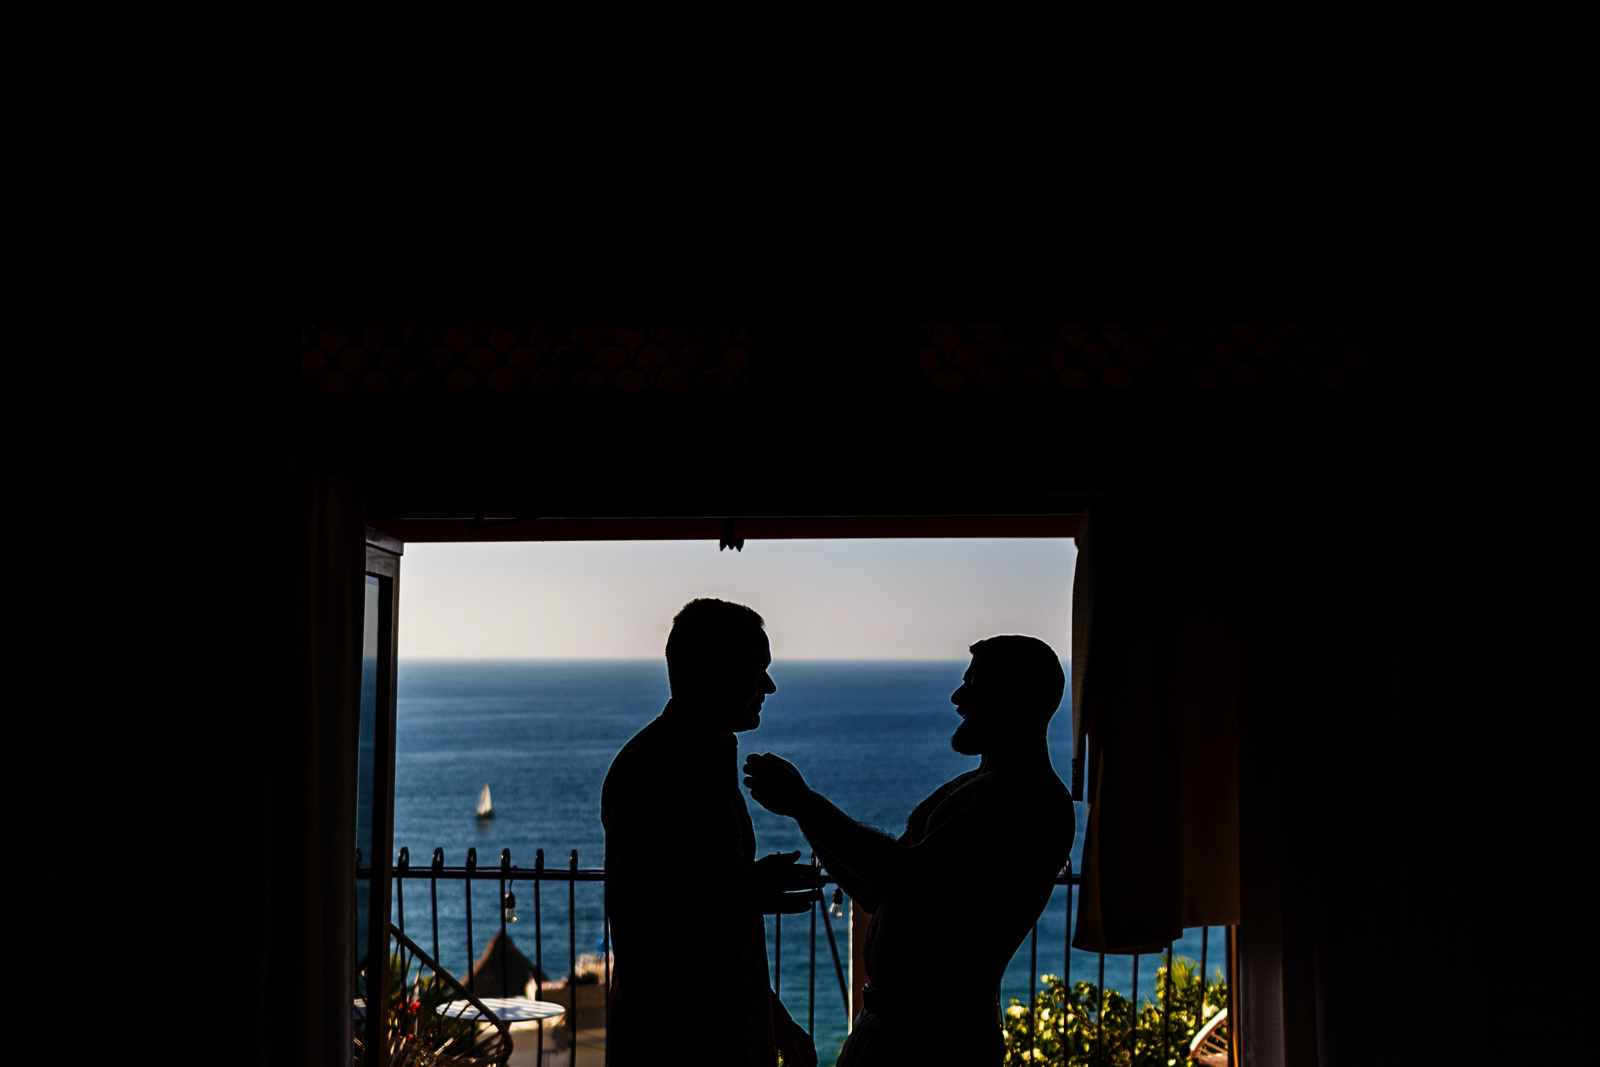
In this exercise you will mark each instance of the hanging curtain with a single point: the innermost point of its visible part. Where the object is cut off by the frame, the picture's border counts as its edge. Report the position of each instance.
(1279, 702)
(1154, 704)
(1363, 747)
(301, 695)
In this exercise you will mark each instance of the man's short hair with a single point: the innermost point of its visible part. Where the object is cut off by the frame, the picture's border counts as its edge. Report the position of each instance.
(708, 637)
(1025, 670)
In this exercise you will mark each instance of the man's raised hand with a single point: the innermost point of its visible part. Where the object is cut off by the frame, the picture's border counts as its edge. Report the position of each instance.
(775, 784)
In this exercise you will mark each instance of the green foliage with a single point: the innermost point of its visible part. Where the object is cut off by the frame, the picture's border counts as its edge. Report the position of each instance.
(414, 999)
(1073, 1021)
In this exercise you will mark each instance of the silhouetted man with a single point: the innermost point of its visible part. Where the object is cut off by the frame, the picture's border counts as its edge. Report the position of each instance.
(955, 896)
(683, 889)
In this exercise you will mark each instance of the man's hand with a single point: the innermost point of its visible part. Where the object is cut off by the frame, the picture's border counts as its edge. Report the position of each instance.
(775, 784)
(780, 885)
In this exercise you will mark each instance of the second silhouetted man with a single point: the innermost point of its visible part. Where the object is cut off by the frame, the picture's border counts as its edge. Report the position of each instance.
(935, 963)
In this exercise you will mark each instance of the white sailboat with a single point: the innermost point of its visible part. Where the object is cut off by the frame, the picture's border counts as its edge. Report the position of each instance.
(485, 806)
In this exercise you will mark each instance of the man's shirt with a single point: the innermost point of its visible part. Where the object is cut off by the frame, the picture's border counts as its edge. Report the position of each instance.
(691, 961)
(983, 852)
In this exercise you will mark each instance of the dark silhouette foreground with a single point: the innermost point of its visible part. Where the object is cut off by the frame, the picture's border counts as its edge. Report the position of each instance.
(683, 889)
(954, 897)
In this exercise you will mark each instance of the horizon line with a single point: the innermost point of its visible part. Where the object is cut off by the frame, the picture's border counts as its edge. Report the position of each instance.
(662, 659)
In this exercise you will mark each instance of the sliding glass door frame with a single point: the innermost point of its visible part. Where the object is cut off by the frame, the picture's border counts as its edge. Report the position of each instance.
(383, 567)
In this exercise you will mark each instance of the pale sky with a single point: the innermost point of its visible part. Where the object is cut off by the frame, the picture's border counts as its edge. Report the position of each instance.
(922, 598)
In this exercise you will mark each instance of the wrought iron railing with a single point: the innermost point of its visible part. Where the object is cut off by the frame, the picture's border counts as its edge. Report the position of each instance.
(506, 875)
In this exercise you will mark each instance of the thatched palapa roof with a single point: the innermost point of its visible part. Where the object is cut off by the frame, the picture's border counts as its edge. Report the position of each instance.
(518, 969)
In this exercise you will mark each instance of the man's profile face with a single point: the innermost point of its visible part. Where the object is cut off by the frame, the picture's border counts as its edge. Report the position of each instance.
(754, 684)
(970, 737)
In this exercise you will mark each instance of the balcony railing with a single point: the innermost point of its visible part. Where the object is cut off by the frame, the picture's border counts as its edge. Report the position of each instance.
(506, 875)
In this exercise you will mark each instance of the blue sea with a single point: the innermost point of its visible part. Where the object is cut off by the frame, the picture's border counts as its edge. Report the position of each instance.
(874, 737)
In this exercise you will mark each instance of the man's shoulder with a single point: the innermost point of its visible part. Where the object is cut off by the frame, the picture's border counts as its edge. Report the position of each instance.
(650, 736)
(945, 791)
(1049, 803)
(645, 757)
(1040, 796)
(951, 800)
(661, 734)
(1045, 793)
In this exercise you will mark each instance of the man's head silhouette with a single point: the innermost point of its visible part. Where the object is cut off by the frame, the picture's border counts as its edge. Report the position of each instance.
(1008, 694)
(717, 660)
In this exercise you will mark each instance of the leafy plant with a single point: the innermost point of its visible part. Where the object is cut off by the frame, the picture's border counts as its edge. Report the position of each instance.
(413, 1017)
(1074, 1027)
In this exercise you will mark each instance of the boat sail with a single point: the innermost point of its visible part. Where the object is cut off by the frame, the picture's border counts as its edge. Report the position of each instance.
(485, 806)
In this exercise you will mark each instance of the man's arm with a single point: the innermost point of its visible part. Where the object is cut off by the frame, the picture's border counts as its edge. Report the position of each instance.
(869, 864)
(859, 889)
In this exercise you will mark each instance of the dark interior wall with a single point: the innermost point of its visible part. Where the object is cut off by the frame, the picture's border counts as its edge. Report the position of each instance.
(808, 436)
(832, 413)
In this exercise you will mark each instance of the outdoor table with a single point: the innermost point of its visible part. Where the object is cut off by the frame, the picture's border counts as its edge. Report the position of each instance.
(507, 1009)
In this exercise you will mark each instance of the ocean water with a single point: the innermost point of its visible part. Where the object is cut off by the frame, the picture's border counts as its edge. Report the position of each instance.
(874, 737)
